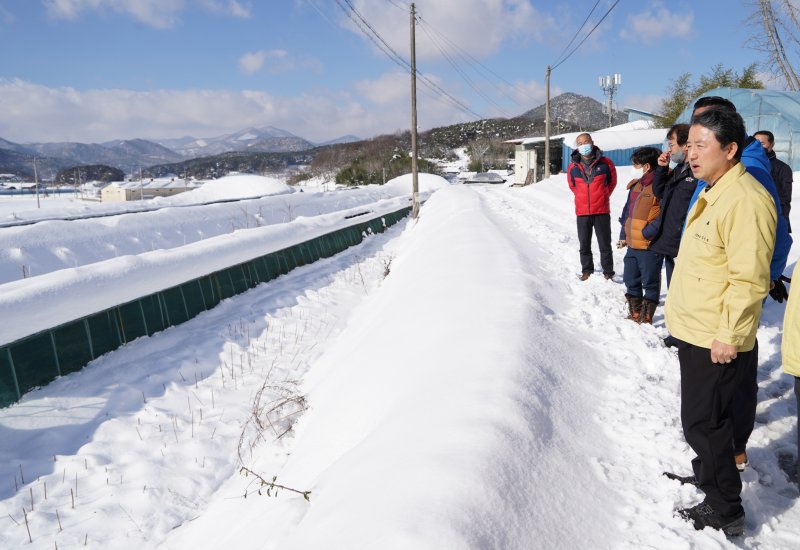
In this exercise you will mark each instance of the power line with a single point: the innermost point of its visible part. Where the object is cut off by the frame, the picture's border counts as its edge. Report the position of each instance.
(466, 78)
(382, 45)
(578, 31)
(476, 62)
(398, 6)
(587, 36)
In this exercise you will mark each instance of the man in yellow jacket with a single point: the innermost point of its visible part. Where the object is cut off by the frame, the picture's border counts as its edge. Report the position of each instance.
(790, 347)
(713, 306)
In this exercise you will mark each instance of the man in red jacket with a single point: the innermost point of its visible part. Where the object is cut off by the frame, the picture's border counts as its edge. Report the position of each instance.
(592, 177)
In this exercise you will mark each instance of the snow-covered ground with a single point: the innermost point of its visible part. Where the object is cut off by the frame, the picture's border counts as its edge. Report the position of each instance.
(447, 384)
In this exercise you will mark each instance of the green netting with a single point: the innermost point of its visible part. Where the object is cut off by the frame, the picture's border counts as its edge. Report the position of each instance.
(72, 346)
(34, 361)
(8, 384)
(172, 300)
(37, 359)
(104, 332)
(210, 296)
(193, 298)
(224, 284)
(131, 321)
(155, 315)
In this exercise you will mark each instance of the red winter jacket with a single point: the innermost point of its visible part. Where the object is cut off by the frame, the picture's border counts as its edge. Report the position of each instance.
(592, 188)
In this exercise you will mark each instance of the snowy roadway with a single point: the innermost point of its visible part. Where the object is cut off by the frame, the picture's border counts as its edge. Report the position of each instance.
(477, 396)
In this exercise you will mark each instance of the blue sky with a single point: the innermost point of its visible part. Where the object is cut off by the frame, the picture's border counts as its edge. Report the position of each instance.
(96, 70)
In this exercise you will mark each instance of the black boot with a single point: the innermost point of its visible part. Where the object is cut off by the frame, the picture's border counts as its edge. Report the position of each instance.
(634, 307)
(648, 311)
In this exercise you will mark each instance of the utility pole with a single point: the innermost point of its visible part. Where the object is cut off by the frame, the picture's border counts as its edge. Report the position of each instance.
(414, 178)
(547, 123)
(141, 185)
(36, 182)
(610, 85)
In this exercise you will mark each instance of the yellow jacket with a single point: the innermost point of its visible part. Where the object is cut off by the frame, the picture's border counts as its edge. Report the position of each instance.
(790, 345)
(722, 270)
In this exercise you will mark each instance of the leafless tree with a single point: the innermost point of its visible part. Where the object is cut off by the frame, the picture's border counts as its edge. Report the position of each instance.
(775, 31)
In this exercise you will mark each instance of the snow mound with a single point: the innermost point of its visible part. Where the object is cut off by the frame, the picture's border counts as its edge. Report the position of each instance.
(427, 183)
(234, 187)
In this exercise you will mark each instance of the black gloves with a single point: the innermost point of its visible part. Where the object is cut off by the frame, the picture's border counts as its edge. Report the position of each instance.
(778, 292)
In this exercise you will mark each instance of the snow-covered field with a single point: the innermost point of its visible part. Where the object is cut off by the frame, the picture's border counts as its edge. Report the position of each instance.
(447, 384)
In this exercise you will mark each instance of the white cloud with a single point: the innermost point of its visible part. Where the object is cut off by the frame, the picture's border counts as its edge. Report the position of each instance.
(230, 7)
(477, 27)
(37, 113)
(161, 14)
(389, 108)
(252, 62)
(276, 61)
(657, 22)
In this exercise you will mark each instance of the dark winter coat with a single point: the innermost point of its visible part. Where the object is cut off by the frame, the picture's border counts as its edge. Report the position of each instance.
(592, 185)
(782, 176)
(674, 189)
(641, 209)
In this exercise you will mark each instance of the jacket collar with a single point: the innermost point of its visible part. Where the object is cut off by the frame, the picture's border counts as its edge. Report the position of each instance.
(711, 194)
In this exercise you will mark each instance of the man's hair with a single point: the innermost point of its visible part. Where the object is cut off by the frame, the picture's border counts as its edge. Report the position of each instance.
(645, 155)
(584, 134)
(770, 135)
(715, 102)
(727, 127)
(681, 133)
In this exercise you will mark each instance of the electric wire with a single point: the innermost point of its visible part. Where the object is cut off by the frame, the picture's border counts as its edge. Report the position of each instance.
(477, 63)
(382, 45)
(577, 32)
(587, 36)
(461, 72)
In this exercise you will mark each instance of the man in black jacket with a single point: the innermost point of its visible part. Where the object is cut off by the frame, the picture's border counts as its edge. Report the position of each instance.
(781, 172)
(673, 185)
(674, 189)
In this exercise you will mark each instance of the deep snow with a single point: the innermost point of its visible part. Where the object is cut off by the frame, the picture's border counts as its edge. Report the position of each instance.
(476, 396)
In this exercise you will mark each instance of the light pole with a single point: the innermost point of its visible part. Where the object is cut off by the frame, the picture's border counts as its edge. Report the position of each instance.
(610, 85)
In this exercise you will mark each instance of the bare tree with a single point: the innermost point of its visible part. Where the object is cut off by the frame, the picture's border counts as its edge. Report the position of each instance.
(775, 22)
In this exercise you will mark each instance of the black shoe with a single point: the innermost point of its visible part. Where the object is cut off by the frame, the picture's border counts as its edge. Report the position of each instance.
(685, 480)
(608, 276)
(703, 515)
(670, 341)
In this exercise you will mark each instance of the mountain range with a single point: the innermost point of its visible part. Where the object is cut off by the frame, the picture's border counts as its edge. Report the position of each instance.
(568, 111)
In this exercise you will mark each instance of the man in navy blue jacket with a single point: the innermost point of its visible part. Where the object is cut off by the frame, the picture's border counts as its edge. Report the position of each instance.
(755, 161)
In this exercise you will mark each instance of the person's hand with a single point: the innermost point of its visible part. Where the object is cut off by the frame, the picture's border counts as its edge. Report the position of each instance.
(723, 353)
(622, 244)
(777, 291)
(663, 159)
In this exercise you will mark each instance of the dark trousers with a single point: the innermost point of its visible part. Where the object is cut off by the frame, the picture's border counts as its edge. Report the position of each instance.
(707, 391)
(642, 274)
(669, 265)
(601, 223)
(745, 400)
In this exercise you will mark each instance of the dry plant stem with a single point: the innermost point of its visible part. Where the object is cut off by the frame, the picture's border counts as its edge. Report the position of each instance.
(24, 513)
(58, 517)
(272, 485)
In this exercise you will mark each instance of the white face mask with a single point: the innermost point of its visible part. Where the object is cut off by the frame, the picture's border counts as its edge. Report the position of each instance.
(672, 164)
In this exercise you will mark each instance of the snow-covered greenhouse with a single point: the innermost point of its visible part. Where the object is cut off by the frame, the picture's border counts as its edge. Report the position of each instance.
(776, 111)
